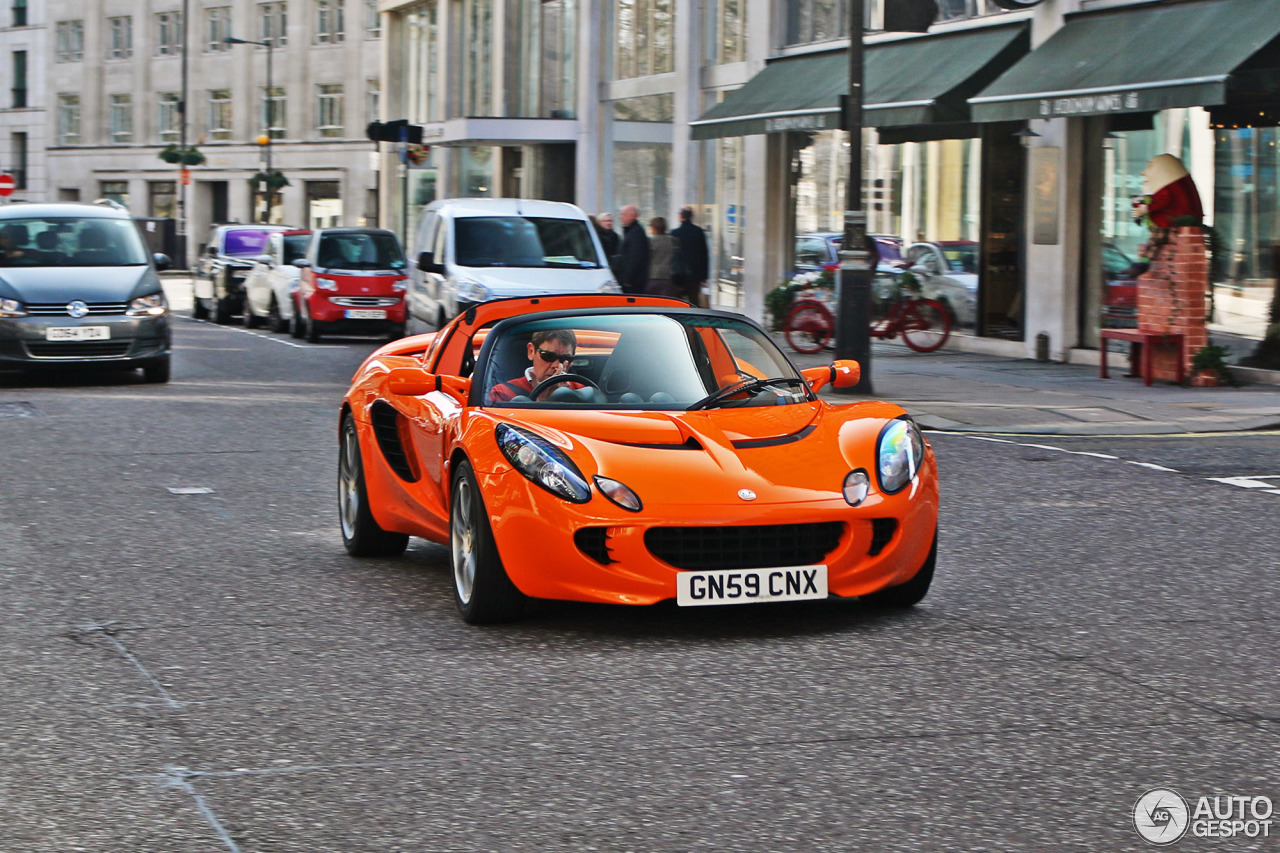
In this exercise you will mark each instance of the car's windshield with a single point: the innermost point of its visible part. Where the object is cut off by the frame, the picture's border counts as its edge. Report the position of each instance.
(636, 361)
(70, 242)
(245, 242)
(961, 258)
(295, 246)
(359, 251)
(523, 241)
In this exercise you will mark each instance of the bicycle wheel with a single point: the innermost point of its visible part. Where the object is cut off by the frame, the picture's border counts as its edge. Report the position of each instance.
(926, 325)
(809, 326)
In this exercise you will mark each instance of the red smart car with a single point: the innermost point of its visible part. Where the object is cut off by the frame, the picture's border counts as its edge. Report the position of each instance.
(353, 282)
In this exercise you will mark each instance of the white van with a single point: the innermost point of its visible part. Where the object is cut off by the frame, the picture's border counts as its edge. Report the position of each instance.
(470, 250)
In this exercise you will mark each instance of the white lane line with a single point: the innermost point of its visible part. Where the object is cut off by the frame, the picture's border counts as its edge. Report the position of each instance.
(262, 336)
(1153, 466)
(180, 778)
(1247, 482)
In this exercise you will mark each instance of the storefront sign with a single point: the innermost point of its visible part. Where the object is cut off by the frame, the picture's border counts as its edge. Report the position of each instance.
(1044, 195)
(1082, 105)
(819, 121)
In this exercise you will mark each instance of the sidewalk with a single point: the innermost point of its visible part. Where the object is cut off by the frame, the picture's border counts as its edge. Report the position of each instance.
(969, 392)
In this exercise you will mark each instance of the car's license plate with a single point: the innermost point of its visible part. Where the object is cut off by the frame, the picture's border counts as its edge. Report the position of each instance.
(77, 333)
(366, 314)
(751, 586)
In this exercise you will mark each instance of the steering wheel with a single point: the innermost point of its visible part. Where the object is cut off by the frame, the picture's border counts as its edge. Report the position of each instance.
(557, 379)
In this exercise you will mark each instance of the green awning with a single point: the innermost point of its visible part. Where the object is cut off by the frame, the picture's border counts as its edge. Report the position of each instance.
(1141, 59)
(912, 81)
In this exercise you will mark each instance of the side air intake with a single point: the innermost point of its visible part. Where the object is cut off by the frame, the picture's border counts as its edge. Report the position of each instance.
(386, 428)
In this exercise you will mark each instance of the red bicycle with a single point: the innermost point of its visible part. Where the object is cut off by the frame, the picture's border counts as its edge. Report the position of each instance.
(924, 324)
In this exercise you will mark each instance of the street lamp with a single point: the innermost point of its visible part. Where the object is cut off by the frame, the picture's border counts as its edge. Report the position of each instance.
(270, 192)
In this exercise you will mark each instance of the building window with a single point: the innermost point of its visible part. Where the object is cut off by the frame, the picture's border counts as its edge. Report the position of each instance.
(117, 191)
(329, 28)
(220, 114)
(19, 147)
(728, 26)
(329, 110)
(273, 111)
(70, 41)
(169, 117)
(19, 13)
(119, 37)
(547, 59)
(120, 118)
(373, 100)
(217, 27)
(645, 35)
(69, 119)
(162, 201)
(477, 77)
(169, 33)
(422, 80)
(19, 79)
(958, 10)
(273, 23)
(372, 20)
(816, 20)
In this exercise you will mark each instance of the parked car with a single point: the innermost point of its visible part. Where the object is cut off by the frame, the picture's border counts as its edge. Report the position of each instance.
(467, 251)
(77, 286)
(948, 273)
(1119, 289)
(222, 265)
(821, 251)
(353, 282)
(655, 459)
(272, 282)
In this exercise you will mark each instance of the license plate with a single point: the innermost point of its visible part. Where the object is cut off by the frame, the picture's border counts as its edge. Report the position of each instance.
(751, 586)
(366, 314)
(77, 333)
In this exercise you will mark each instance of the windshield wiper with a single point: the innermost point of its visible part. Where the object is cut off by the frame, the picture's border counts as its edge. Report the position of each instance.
(747, 386)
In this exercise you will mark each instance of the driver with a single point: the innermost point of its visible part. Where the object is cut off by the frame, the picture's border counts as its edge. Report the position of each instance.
(551, 352)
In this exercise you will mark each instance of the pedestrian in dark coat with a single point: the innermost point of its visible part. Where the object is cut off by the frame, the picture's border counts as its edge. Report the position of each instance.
(609, 239)
(633, 255)
(693, 248)
(663, 260)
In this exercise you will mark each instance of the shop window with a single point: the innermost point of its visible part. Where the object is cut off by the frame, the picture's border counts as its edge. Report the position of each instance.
(324, 204)
(117, 191)
(162, 199)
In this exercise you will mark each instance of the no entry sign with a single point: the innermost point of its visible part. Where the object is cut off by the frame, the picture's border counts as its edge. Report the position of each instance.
(6, 185)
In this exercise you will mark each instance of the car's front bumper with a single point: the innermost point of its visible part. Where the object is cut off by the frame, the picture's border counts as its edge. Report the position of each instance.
(131, 341)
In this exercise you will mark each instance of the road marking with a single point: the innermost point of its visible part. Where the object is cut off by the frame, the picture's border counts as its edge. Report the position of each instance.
(262, 336)
(1248, 482)
(1153, 466)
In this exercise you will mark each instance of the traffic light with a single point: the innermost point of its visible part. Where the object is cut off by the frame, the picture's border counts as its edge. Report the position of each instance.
(909, 16)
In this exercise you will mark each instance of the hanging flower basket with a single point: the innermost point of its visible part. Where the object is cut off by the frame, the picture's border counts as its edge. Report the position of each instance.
(274, 181)
(189, 156)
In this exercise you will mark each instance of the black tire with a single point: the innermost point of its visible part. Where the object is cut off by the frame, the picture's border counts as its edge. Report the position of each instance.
(251, 320)
(296, 329)
(361, 535)
(312, 331)
(157, 371)
(278, 323)
(396, 332)
(199, 310)
(481, 589)
(910, 593)
(222, 312)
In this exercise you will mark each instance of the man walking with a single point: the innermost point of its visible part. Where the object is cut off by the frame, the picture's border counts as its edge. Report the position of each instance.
(633, 256)
(693, 247)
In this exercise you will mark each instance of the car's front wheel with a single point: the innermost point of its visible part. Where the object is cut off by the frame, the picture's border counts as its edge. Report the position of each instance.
(276, 320)
(157, 371)
(361, 534)
(910, 593)
(481, 588)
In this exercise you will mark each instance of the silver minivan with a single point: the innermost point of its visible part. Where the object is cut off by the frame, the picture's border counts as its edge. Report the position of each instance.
(470, 250)
(77, 286)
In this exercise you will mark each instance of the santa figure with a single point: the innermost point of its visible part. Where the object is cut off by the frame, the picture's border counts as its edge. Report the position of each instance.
(1170, 194)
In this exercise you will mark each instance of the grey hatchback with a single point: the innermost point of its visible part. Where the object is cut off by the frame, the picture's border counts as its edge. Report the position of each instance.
(77, 286)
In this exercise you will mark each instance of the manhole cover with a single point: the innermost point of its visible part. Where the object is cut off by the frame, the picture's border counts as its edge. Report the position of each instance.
(18, 410)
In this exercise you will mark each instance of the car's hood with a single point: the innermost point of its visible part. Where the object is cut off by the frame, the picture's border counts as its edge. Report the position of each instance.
(781, 454)
(90, 284)
(534, 281)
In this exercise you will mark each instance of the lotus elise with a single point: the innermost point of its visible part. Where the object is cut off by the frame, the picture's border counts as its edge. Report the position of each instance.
(632, 449)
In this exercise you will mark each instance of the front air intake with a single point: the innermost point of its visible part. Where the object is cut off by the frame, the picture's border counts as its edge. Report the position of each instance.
(744, 547)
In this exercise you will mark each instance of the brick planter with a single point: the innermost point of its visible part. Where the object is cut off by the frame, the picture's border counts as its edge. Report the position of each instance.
(1171, 299)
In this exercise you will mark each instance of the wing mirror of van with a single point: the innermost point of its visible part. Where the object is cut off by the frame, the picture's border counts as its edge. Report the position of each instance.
(427, 263)
(162, 261)
(265, 260)
(302, 264)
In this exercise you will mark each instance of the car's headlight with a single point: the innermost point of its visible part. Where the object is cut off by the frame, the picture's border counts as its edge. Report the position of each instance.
(473, 291)
(399, 286)
(543, 463)
(152, 304)
(12, 308)
(609, 286)
(326, 283)
(899, 454)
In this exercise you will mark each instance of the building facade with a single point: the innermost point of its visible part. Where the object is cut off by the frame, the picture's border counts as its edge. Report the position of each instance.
(733, 106)
(304, 74)
(24, 106)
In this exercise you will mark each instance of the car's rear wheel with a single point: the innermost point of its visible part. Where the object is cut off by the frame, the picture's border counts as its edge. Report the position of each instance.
(910, 593)
(199, 310)
(296, 329)
(481, 588)
(157, 371)
(222, 311)
(361, 534)
(313, 330)
(275, 318)
(251, 320)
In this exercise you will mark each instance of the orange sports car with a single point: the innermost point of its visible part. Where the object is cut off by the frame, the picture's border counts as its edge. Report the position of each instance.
(632, 449)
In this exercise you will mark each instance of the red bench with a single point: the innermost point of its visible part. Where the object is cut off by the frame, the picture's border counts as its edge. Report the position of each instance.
(1140, 346)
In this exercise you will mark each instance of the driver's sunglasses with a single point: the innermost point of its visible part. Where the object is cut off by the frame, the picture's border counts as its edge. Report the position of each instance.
(549, 356)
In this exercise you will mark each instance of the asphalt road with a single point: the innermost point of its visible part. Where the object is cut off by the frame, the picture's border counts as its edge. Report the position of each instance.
(210, 672)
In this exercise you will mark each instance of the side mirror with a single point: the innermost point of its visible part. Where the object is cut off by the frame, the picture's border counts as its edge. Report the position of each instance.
(839, 374)
(427, 263)
(414, 382)
(302, 264)
(162, 261)
(265, 260)
(213, 251)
